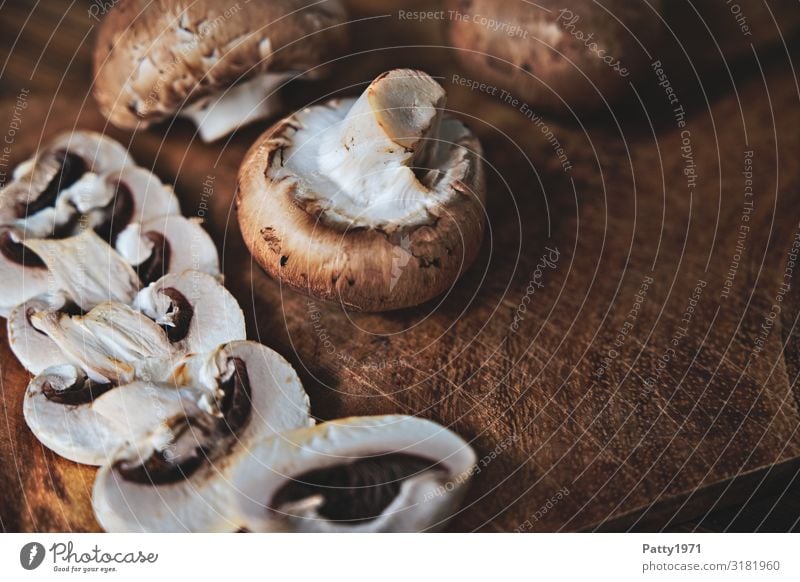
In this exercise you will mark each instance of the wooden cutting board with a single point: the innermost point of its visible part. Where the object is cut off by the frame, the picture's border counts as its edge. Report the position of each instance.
(611, 356)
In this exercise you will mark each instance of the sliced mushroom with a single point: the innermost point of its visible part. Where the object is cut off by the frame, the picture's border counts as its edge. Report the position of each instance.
(33, 348)
(38, 181)
(28, 208)
(101, 153)
(177, 478)
(22, 274)
(80, 181)
(139, 196)
(32, 204)
(50, 190)
(168, 244)
(375, 202)
(69, 414)
(219, 66)
(196, 311)
(108, 343)
(360, 474)
(87, 269)
(105, 202)
(275, 398)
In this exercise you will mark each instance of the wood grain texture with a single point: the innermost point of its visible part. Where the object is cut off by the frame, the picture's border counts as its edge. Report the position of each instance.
(571, 434)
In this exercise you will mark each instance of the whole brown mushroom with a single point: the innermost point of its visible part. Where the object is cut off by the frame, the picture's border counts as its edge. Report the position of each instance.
(217, 64)
(554, 55)
(376, 203)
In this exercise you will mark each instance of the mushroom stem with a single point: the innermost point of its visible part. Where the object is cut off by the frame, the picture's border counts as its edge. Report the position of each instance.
(233, 107)
(390, 131)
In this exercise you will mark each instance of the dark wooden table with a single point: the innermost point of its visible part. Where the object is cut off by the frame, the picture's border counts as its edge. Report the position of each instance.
(595, 410)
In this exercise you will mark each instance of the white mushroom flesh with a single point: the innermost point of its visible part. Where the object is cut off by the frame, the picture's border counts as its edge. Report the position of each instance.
(196, 310)
(90, 192)
(152, 198)
(76, 418)
(33, 348)
(19, 284)
(165, 236)
(362, 474)
(73, 431)
(219, 114)
(87, 269)
(133, 246)
(107, 342)
(387, 159)
(177, 478)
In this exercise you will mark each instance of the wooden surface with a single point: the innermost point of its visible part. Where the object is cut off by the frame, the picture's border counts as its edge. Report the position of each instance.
(712, 443)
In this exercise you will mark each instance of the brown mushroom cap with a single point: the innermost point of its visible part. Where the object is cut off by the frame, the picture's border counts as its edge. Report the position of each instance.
(153, 56)
(540, 54)
(368, 269)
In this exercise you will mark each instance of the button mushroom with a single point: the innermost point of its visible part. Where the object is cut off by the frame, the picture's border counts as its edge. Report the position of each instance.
(195, 310)
(219, 66)
(168, 244)
(553, 54)
(375, 202)
(68, 412)
(363, 474)
(176, 315)
(175, 478)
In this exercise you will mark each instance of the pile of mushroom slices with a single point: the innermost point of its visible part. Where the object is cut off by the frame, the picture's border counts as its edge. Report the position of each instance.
(81, 218)
(82, 225)
(141, 368)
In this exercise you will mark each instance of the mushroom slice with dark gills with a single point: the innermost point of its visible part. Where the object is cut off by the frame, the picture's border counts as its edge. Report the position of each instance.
(112, 343)
(79, 173)
(31, 206)
(105, 202)
(37, 182)
(82, 180)
(33, 348)
(178, 478)
(168, 244)
(68, 412)
(22, 273)
(196, 311)
(137, 196)
(360, 474)
(87, 269)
